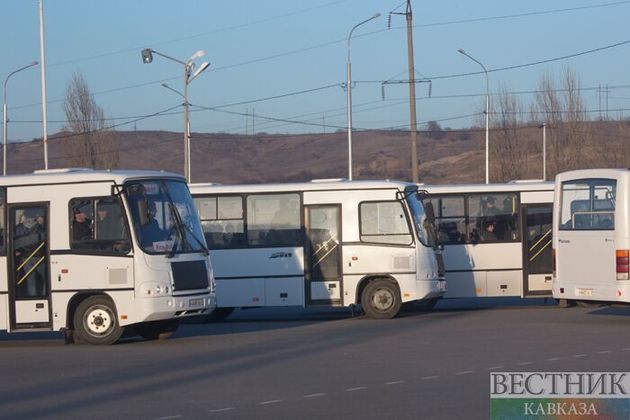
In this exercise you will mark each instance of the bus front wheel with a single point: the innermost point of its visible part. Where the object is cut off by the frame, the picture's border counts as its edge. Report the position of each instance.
(381, 299)
(96, 322)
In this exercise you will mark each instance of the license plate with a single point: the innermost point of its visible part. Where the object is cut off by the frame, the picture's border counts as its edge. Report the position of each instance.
(583, 292)
(195, 303)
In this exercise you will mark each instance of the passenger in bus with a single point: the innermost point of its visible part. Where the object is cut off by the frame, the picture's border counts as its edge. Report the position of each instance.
(81, 225)
(489, 234)
(109, 225)
(491, 207)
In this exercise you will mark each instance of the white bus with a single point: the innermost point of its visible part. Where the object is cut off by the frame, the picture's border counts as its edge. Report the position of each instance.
(328, 242)
(496, 238)
(92, 253)
(592, 236)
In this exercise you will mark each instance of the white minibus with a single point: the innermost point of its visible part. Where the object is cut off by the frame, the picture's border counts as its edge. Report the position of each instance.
(496, 238)
(592, 236)
(95, 253)
(328, 242)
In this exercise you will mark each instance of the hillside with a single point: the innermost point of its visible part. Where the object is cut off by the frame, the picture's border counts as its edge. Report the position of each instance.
(448, 157)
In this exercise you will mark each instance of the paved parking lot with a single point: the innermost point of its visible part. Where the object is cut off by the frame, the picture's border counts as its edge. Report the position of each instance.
(314, 363)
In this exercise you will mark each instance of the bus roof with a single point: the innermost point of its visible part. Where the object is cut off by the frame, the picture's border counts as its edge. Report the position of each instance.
(315, 185)
(524, 185)
(593, 173)
(77, 175)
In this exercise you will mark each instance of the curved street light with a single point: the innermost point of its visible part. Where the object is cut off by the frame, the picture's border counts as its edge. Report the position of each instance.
(461, 51)
(349, 94)
(190, 73)
(5, 115)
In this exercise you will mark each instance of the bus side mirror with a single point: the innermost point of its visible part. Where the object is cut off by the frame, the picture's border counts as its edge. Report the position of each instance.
(428, 208)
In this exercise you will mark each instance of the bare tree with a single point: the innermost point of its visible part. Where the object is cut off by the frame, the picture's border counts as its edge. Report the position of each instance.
(91, 143)
(508, 146)
(563, 111)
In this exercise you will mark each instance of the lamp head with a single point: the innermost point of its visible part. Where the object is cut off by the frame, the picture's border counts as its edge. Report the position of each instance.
(376, 15)
(461, 51)
(147, 55)
(197, 54)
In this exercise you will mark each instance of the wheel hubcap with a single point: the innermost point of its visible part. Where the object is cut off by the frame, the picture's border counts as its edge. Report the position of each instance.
(98, 321)
(383, 300)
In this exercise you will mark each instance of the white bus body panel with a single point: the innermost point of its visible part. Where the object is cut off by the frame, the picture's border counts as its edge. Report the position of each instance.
(259, 276)
(586, 259)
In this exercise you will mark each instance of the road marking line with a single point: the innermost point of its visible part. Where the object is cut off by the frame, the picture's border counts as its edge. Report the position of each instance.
(496, 367)
(553, 359)
(269, 402)
(579, 355)
(429, 377)
(604, 352)
(626, 349)
(525, 363)
(394, 382)
(464, 372)
(176, 416)
(359, 388)
(319, 394)
(219, 410)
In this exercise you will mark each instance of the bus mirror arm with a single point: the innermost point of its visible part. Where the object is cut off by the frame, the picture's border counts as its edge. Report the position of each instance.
(143, 212)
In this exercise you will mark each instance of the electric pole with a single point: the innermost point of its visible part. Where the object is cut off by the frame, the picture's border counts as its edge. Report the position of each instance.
(412, 95)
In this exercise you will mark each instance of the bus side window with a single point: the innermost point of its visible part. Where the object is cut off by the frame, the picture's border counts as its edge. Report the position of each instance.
(98, 225)
(493, 217)
(222, 221)
(450, 218)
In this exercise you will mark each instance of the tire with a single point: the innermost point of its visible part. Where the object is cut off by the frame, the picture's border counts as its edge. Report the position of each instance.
(565, 303)
(96, 321)
(219, 314)
(421, 305)
(381, 299)
(589, 304)
(157, 330)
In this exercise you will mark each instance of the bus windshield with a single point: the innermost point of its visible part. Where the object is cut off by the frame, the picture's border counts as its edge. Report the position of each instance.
(426, 228)
(164, 217)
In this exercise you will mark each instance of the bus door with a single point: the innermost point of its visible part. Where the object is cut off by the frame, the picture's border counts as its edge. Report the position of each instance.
(537, 244)
(323, 254)
(28, 257)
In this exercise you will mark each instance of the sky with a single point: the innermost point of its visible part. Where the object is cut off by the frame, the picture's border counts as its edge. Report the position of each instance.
(279, 66)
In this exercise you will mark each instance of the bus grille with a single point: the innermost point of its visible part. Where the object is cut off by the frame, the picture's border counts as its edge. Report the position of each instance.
(189, 275)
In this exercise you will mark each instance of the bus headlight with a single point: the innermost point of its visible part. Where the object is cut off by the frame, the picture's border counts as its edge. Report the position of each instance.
(154, 289)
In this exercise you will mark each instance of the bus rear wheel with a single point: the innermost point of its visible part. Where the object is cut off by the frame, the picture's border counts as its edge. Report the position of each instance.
(421, 305)
(96, 321)
(219, 314)
(381, 299)
(157, 330)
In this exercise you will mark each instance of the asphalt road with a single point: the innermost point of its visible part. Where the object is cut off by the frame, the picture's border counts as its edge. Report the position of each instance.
(311, 364)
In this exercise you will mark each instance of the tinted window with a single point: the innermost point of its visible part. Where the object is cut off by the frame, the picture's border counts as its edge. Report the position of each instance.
(473, 218)
(222, 221)
(98, 225)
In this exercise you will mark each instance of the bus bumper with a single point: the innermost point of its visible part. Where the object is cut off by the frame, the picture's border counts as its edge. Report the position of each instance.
(175, 307)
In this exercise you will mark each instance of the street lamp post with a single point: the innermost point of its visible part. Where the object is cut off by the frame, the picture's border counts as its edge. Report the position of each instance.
(544, 150)
(461, 51)
(189, 75)
(349, 94)
(5, 116)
